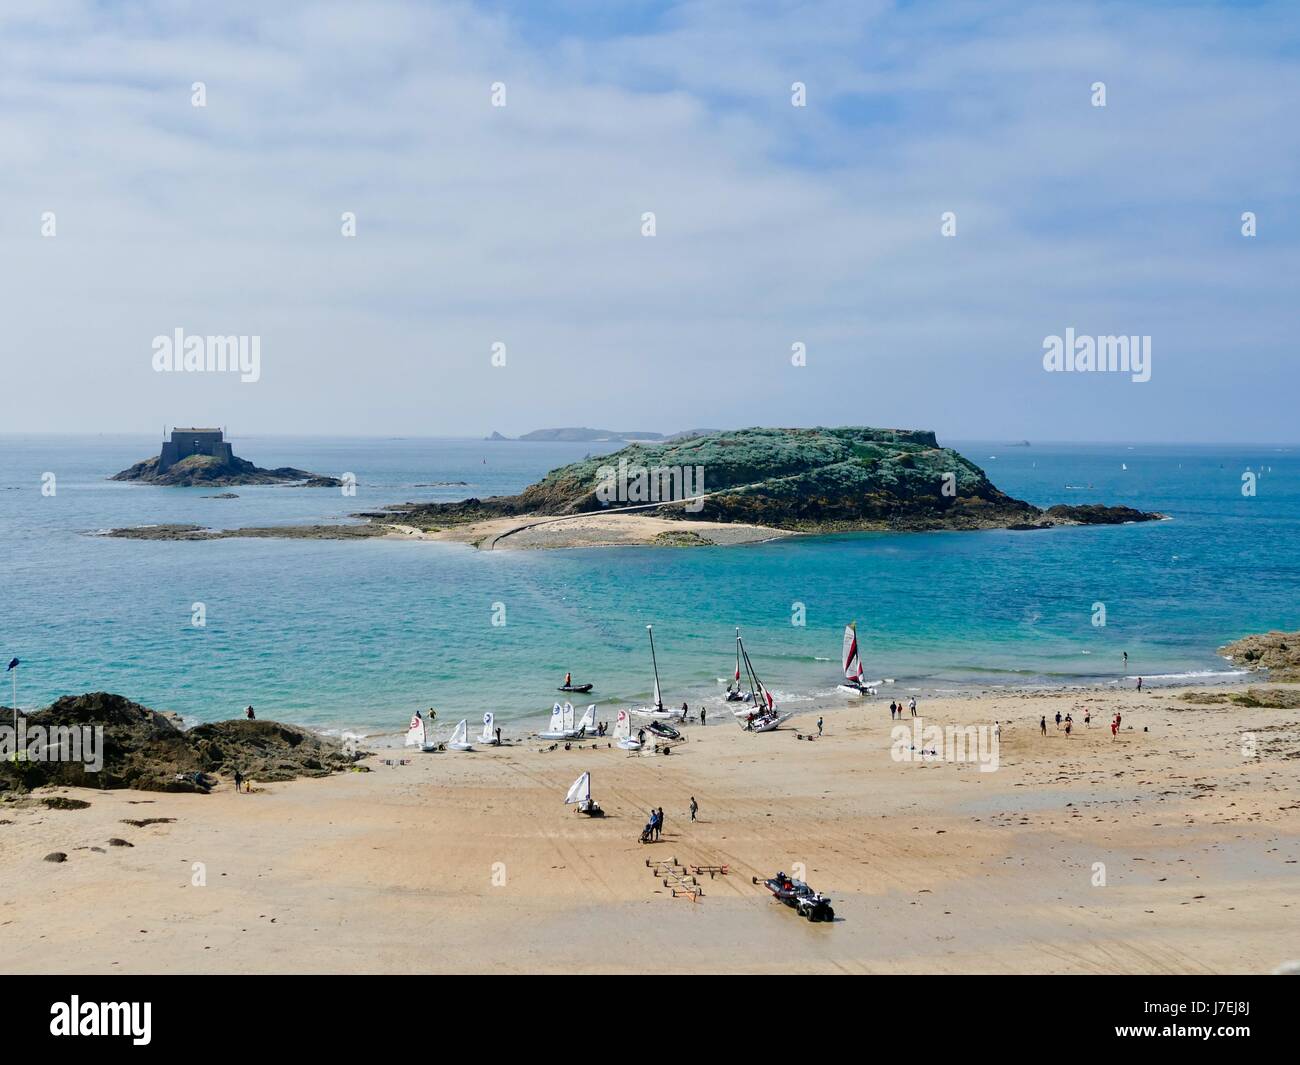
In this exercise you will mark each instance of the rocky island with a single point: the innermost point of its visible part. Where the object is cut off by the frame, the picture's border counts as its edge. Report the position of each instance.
(205, 458)
(782, 480)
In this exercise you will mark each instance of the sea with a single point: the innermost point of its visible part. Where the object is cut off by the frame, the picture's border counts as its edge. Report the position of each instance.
(356, 635)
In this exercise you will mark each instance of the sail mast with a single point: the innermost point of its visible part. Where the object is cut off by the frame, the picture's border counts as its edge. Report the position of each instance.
(659, 702)
(737, 657)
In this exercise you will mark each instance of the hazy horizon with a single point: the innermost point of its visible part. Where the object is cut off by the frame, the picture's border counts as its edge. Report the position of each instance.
(496, 162)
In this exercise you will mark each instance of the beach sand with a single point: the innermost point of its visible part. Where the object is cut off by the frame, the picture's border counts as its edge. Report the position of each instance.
(591, 530)
(470, 862)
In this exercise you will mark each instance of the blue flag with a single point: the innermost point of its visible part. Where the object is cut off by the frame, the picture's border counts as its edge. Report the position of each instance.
(12, 665)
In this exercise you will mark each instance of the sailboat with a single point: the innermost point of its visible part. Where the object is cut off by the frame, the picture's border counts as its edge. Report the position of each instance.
(764, 717)
(417, 735)
(658, 710)
(460, 737)
(734, 693)
(580, 793)
(558, 729)
(852, 664)
(623, 738)
(587, 726)
(489, 737)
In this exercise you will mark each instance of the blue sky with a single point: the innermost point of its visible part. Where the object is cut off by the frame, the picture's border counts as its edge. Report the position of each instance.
(775, 224)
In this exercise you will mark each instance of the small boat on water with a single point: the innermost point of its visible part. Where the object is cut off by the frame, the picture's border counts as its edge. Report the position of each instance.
(561, 726)
(623, 738)
(419, 735)
(460, 737)
(580, 793)
(853, 683)
(580, 689)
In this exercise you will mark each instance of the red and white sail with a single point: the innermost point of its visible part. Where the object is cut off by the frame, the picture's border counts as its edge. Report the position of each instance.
(852, 660)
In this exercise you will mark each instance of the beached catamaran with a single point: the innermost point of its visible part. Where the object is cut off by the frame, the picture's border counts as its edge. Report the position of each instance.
(658, 709)
(852, 664)
(734, 692)
(763, 715)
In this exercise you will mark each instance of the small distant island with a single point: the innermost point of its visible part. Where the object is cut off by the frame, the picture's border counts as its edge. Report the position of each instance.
(203, 457)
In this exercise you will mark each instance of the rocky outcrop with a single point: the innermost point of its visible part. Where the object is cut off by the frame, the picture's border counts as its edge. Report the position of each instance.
(147, 750)
(209, 472)
(270, 532)
(1278, 652)
(815, 480)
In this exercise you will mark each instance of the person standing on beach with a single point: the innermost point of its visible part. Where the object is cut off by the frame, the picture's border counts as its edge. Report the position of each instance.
(695, 807)
(1139, 683)
(239, 779)
(498, 735)
(911, 703)
(1042, 724)
(1087, 718)
(1068, 726)
(701, 716)
(893, 709)
(1058, 719)
(1114, 726)
(248, 713)
(819, 726)
(659, 831)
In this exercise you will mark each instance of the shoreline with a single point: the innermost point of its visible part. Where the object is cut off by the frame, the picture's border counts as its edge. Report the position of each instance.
(933, 866)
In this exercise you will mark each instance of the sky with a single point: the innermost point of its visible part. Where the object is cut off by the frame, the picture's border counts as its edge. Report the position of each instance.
(127, 213)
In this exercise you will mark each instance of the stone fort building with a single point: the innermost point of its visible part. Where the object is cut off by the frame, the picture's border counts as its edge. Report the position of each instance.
(186, 442)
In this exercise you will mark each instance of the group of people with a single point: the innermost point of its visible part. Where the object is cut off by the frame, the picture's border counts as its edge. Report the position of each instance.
(1068, 722)
(896, 708)
(655, 826)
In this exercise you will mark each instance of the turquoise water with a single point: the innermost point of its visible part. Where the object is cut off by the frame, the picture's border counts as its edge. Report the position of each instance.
(358, 634)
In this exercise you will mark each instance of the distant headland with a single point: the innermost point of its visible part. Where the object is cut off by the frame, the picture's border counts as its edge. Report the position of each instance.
(598, 436)
(205, 458)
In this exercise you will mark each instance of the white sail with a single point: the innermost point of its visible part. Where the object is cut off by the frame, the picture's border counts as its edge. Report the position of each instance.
(623, 726)
(458, 735)
(852, 660)
(580, 790)
(489, 729)
(557, 719)
(589, 720)
(568, 725)
(415, 734)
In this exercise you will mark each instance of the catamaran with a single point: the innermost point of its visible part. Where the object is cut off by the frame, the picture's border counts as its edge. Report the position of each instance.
(489, 737)
(734, 693)
(852, 661)
(417, 735)
(460, 737)
(580, 793)
(763, 716)
(658, 710)
(561, 726)
(623, 738)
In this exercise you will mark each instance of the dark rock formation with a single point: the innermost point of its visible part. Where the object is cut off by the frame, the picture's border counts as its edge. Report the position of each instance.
(276, 532)
(208, 471)
(143, 749)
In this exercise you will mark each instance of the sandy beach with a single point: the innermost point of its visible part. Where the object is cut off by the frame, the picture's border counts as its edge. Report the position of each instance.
(471, 862)
(591, 530)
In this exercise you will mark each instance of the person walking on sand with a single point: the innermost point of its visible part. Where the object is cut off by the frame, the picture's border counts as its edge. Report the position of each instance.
(893, 709)
(1068, 726)
(695, 807)
(1087, 718)
(819, 726)
(997, 731)
(1114, 726)
(239, 780)
(1042, 724)
(1058, 720)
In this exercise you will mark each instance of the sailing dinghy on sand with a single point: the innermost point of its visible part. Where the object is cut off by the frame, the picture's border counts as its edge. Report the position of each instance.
(623, 738)
(580, 793)
(853, 683)
(417, 735)
(658, 711)
(763, 717)
(460, 737)
(587, 726)
(561, 726)
(489, 737)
